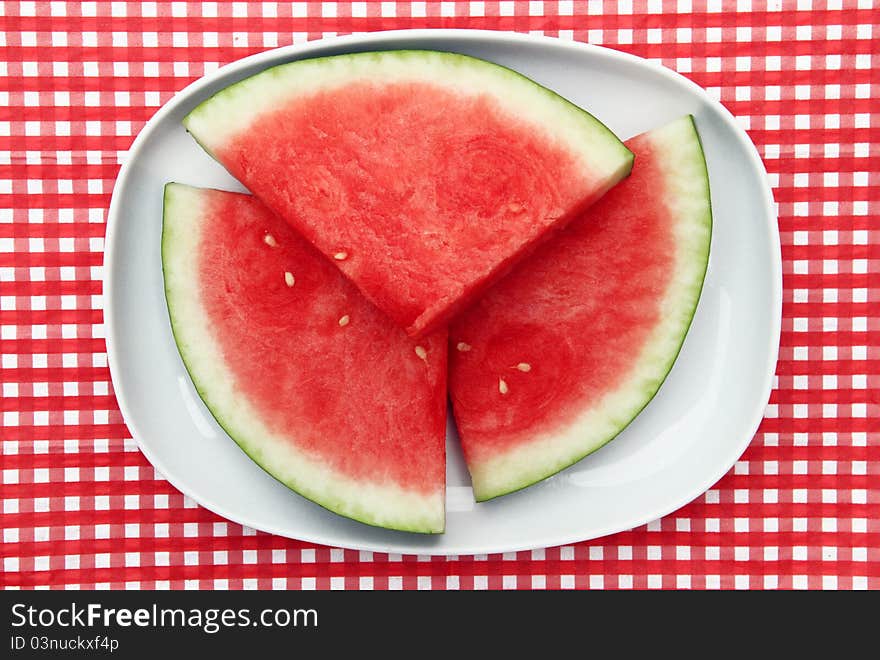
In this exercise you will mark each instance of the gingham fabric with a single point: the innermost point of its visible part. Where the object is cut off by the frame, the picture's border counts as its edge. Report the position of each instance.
(83, 509)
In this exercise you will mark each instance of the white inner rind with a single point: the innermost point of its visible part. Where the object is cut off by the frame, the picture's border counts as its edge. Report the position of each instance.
(381, 504)
(686, 192)
(230, 112)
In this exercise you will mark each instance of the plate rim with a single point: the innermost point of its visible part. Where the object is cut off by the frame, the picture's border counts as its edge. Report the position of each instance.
(386, 38)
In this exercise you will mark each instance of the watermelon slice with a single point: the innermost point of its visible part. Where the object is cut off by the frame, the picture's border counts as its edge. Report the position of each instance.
(562, 354)
(423, 175)
(311, 380)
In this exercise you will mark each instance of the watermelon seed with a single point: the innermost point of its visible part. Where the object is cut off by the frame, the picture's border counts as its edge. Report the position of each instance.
(270, 240)
(289, 280)
(463, 347)
(421, 352)
(502, 386)
(514, 207)
(524, 367)
(344, 321)
(341, 256)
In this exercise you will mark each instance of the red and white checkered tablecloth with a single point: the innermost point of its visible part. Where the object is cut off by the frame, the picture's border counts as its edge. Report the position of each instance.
(82, 508)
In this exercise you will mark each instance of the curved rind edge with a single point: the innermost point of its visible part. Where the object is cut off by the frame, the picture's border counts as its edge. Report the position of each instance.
(483, 494)
(197, 118)
(428, 525)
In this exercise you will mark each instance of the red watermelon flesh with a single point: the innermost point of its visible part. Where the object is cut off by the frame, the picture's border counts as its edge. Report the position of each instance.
(423, 176)
(310, 379)
(563, 353)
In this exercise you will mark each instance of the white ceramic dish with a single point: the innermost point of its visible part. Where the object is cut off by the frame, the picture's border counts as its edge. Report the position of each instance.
(687, 438)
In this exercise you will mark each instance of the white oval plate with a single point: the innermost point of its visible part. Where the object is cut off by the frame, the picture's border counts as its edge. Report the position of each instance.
(695, 429)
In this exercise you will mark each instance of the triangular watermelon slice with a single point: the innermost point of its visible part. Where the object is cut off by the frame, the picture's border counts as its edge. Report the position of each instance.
(422, 175)
(558, 357)
(310, 379)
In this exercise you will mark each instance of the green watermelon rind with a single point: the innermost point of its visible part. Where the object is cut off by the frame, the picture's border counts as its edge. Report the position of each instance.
(246, 433)
(219, 118)
(533, 466)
